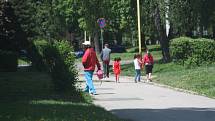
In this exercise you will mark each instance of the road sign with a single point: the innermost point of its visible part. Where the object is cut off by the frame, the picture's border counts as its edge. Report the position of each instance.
(101, 22)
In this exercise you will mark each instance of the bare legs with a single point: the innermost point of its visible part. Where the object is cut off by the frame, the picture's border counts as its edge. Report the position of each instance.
(148, 76)
(117, 78)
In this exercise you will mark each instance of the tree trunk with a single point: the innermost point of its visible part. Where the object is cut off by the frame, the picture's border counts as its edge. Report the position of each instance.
(171, 35)
(214, 32)
(164, 42)
(119, 37)
(132, 39)
(96, 42)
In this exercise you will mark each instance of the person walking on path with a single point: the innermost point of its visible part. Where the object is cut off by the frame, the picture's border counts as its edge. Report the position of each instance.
(89, 62)
(148, 62)
(105, 57)
(117, 68)
(137, 66)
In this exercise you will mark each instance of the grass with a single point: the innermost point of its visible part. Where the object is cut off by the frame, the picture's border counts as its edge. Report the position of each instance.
(199, 79)
(23, 61)
(154, 49)
(123, 56)
(29, 96)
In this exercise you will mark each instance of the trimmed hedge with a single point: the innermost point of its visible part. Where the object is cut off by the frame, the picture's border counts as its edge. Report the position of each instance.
(8, 61)
(193, 52)
(59, 61)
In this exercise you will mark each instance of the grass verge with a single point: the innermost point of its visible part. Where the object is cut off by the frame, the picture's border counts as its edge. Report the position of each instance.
(199, 79)
(29, 96)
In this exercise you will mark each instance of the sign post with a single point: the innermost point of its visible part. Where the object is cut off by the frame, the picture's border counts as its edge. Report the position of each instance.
(102, 24)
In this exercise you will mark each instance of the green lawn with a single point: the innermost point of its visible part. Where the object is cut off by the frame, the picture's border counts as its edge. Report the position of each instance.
(155, 50)
(198, 79)
(23, 62)
(29, 96)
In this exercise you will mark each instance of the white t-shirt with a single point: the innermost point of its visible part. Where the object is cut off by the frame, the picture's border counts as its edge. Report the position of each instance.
(136, 64)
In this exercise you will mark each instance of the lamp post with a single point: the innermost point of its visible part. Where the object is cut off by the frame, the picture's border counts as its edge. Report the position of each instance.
(139, 31)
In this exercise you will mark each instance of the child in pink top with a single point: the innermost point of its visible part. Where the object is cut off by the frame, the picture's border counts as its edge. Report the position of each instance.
(117, 68)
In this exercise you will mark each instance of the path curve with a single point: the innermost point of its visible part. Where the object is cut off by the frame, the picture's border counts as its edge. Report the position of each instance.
(147, 102)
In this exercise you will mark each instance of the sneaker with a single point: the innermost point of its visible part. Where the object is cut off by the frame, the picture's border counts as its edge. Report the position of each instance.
(85, 90)
(93, 93)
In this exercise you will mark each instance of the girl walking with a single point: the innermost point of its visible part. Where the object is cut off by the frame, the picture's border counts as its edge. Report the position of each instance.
(137, 66)
(117, 68)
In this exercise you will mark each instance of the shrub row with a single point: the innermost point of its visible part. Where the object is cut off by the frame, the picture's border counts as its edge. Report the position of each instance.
(59, 61)
(8, 61)
(193, 52)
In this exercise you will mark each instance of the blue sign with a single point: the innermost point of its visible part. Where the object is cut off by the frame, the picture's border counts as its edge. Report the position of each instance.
(101, 22)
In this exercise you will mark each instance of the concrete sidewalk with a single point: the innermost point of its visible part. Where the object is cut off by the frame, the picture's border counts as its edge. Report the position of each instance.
(146, 102)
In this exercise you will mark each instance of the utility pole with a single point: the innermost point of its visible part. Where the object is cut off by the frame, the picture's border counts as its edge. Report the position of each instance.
(139, 29)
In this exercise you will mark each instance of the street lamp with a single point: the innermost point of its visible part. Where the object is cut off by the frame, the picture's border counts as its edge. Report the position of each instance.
(138, 19)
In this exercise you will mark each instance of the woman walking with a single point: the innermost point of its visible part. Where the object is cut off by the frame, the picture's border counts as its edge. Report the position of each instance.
(148, 62)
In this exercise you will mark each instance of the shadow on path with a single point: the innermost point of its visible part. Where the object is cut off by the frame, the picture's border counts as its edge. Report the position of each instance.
(171, 114)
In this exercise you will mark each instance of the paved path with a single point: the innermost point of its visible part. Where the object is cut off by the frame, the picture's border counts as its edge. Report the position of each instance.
(146, 102)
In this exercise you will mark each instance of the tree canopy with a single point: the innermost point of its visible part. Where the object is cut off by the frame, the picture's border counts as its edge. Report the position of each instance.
(55, 19)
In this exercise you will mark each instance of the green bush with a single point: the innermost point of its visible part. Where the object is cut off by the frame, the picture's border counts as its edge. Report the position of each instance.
(59, 61)
(8, 61)
(61, 65)
(36, 53)
(193, 52)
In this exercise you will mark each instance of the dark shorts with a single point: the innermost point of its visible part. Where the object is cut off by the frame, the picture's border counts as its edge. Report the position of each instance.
(148, 68)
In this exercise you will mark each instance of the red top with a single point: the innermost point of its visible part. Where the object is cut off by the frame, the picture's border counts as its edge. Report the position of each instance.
(116, 67)
(148, 59)
(90, 60)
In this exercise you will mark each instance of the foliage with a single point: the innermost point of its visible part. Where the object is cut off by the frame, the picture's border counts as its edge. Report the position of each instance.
(58, 59)
(8, 61)
(187, 16)
(60, 62)
(36, 54)
(9, 28)
(193, 52)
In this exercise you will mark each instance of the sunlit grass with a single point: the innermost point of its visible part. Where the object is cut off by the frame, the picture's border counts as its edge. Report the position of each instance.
(198, 79)
(30, 96)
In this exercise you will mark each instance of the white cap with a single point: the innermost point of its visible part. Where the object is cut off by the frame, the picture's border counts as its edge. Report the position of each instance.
(86, 43)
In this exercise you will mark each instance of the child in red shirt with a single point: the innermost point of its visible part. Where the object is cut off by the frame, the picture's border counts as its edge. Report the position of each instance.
(117, 68)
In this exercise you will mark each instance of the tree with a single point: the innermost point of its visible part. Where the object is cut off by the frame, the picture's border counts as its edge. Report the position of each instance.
(8, 28)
